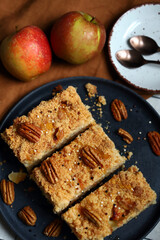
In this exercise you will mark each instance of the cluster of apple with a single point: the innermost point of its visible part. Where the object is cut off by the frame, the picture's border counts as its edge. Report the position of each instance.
(76, 37)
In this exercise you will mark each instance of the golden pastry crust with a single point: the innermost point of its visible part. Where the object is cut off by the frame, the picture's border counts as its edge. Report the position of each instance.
(59, 119)
(77, 167)
(112, 205)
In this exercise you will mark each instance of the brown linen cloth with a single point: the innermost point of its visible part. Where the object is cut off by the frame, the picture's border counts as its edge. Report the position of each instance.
(42, 13)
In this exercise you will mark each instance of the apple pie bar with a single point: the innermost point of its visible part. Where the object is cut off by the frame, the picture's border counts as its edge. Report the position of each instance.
(47, 127)
(79, 166)
(112, 205)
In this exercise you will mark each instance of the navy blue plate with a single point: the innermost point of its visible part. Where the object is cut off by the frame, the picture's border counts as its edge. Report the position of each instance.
(141, 119)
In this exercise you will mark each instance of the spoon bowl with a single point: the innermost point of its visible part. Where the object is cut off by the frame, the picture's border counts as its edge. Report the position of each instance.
(143, 44)
(132, 59)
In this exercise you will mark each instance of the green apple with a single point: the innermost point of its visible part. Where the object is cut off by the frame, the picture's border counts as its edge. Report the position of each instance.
(27, 53)
(77, 37)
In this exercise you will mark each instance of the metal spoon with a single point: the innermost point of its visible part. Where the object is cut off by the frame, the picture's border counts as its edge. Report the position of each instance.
(144, 44)
(132, 59)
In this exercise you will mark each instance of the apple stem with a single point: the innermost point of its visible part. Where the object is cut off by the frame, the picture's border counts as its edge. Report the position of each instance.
(16, 28)
(92, 19)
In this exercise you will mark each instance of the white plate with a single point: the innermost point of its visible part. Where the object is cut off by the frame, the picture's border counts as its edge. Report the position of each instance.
(142, 20)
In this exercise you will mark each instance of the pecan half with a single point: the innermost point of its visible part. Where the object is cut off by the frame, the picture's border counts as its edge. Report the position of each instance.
(125, 135)
(7, 191)
(54, 228)
(119, 110)
(92, 157)
(28, 216)
(92, 217)
(49, 171)
(154, 141)
(29, 131)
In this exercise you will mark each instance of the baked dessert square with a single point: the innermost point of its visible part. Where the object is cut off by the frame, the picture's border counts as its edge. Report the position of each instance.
(111, 206)
(79, 166)
(47, 127)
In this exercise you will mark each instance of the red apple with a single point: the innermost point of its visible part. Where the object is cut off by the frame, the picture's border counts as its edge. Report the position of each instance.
(27, 53)
(77, 37)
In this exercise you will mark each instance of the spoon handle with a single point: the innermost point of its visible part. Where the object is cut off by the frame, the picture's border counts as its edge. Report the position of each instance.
(152, 61)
